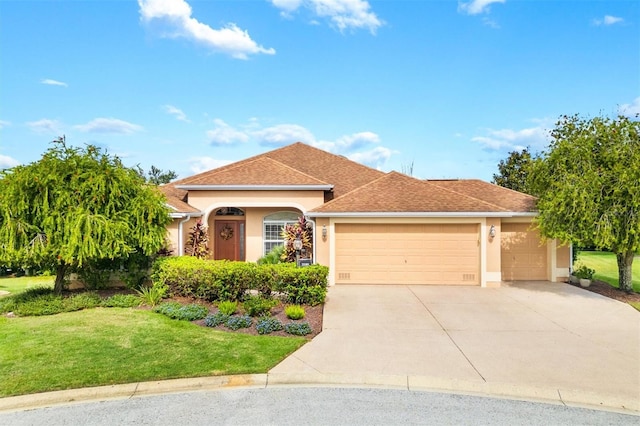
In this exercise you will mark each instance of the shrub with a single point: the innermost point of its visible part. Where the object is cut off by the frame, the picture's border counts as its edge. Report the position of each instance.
(294, 312)
(121, 301)
(235, 323)
(177, 311)
(585, 273)
(216, 319)
(306, 285)
(228, 307)
(82, 301)
(224, 280)
(151, 296)
(298, 328)
(46, 303)
(268, 325)
(274, 256)
(258, 306)
(95, 274)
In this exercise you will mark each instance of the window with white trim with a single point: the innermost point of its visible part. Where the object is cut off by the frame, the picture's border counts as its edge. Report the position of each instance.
(272, 227)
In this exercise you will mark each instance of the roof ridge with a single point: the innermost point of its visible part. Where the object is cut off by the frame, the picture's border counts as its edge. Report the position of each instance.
(328, 203)
(296, 170)
(468, 196)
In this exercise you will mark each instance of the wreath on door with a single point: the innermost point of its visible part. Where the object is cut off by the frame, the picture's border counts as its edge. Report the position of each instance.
(226, 233)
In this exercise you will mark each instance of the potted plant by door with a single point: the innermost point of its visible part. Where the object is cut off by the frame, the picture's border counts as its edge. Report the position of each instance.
(585, 275)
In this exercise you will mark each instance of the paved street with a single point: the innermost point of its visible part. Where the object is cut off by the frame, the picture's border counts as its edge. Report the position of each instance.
(312, 406)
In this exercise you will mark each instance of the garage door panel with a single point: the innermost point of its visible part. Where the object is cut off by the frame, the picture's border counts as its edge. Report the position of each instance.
(523, 257)
(407, 254)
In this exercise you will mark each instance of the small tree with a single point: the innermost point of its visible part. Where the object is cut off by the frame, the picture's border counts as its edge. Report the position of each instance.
(158, 176)
(302, 230)
(588, 185)
(513, 172)
(198, 240)
(75, 207)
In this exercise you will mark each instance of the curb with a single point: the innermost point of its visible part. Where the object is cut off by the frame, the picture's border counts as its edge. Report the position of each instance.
(567, 397)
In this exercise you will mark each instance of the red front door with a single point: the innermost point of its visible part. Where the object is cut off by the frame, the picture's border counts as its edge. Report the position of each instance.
(227, 239)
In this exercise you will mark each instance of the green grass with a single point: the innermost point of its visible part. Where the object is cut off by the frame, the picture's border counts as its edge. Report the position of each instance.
(17, 285)
(108, 346)
(607, 268)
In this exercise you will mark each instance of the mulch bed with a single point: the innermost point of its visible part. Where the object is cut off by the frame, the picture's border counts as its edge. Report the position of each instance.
(313, 314)
(609, 291)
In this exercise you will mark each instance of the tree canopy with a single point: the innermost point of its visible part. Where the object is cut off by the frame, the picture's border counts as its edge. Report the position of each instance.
(75, 206)
(158, 176)
(513, 172)
(588, 184)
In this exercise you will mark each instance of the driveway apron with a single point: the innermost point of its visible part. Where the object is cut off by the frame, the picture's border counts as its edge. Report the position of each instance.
(529, 334)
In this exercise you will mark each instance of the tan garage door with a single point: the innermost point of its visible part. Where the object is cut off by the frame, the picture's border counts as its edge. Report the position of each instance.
(522, 256)
(407, 254)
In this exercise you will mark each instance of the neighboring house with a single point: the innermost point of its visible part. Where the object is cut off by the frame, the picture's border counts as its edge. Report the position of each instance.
(370, 227)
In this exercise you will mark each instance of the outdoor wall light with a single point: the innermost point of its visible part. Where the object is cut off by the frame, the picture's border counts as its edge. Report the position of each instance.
(492, 231)
(324, 232)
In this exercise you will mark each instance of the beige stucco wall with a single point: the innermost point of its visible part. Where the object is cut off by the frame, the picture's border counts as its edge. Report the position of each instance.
(210, 200)
(173, 234)
(493, 273)
(322, 245)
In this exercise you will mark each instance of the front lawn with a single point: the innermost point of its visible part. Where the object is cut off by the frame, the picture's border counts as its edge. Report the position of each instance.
(108, 346)
(17, 285)
(606, 267)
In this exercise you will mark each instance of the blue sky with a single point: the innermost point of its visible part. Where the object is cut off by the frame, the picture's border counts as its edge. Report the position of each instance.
(190, 85)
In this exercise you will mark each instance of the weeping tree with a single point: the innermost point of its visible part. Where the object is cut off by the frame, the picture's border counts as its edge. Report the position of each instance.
(75, 207)
(588, 184)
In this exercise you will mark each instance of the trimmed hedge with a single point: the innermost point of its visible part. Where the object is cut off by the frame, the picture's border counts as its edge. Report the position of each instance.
(214, 280)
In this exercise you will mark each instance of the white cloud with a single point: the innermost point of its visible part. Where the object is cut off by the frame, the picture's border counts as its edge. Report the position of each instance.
(283, 134)
(202, 164)
(4, 123)
(176, 112)
(224, 134)
(344, 14)
(509, 139)
(374, 158)
(631, 109)
(51, 82)
(475, 7)
(608, 20)
(175, 18)
(45, 126)
(7, 162)
(109, 125)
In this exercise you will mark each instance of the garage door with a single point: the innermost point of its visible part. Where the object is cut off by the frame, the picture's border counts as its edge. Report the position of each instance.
(407, 254)
(522, 256)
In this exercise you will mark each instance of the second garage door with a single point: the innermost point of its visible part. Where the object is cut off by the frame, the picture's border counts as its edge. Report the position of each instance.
(407, 254)
(523, 257)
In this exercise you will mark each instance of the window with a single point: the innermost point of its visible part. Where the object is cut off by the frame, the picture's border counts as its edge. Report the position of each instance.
(272, 228)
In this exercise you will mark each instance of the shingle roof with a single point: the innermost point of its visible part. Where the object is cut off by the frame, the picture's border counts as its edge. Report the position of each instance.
(506, 198)
(176, 199)
(258, 171)
(345, 175)
(395, 192)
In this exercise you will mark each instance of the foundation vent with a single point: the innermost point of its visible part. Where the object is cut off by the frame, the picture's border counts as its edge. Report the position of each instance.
(468, 277)
(344, 276)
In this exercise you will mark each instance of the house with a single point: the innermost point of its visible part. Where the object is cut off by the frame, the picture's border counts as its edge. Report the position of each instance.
(370, 227)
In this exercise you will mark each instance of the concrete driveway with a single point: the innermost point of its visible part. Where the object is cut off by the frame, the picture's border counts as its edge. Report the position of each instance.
(531, 340)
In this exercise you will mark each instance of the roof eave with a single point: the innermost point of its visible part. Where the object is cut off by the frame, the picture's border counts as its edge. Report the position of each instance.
(422, 214)
(255, 187)
(180, 215)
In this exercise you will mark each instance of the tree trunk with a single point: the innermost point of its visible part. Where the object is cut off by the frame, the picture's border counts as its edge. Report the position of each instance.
(625, 260)
(61, 271)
